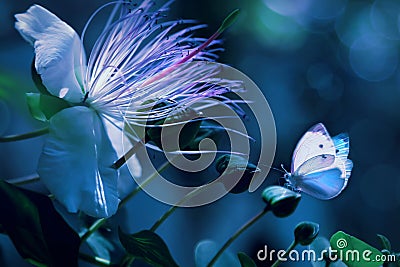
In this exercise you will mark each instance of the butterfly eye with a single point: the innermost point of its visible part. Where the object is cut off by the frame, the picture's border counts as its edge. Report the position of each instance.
(321, 146)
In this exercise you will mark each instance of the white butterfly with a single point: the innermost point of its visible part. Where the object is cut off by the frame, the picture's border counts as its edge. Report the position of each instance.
(320, 166)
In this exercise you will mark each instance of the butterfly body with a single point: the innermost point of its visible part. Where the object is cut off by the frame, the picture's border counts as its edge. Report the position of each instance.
(320, 166)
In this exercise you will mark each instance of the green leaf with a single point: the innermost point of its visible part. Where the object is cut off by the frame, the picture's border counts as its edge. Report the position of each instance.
(385, 242)
(354, 252)
(37, 231)
(43, 107)
(245, 261)
(147, 246)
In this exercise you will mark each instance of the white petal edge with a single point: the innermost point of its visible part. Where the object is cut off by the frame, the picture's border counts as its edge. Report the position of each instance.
(58, 51)
(75, 163)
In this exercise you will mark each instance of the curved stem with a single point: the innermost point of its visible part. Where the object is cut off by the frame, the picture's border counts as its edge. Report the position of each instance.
(122, 160)
(12, 138)
(145, 182)
(100, 222)
(290, 248)
(174, 207)
(93, 228)
(237, 234)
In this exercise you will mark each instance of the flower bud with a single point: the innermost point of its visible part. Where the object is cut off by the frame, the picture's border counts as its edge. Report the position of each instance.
(281, 200)
(182, 123)
(234, 165)
(385, 252)
(208, 129)
(306, 232)
(178, 122)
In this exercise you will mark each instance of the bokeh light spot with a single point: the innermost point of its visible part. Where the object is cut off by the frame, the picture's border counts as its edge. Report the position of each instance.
(327, 9)
(372, 58)
(288, 7)
(329, 85)
(384, 18)
(280, 31)
(353, 23)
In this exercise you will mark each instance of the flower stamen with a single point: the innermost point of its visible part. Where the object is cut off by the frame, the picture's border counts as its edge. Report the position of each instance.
(229, 20)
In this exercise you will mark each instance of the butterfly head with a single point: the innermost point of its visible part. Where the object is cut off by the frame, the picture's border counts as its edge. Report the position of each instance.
(287, 177)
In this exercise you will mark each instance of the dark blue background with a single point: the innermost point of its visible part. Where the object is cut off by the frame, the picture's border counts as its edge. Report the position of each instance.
(332, 61)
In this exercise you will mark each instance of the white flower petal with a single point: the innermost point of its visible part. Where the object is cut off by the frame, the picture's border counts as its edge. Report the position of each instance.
(58, 51)
(76, 161)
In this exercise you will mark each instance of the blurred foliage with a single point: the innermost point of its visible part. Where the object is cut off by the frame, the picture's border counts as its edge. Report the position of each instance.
(37, 230)
(147, 246)
(245, 261)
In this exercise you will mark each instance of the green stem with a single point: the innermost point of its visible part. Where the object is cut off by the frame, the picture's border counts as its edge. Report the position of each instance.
(174, 207)
(93, 228)
(100, 222)
(121, 161)
(145, 182)
(95, 260)
(237, 234)
(12, 138)
(290, 248)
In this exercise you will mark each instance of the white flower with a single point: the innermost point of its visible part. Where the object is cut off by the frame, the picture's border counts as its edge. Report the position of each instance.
(135, 59)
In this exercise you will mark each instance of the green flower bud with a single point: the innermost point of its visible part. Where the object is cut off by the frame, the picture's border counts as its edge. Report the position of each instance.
(208, 129)
(305, 233)
(182, 123)
(234, 165)
(281, 200)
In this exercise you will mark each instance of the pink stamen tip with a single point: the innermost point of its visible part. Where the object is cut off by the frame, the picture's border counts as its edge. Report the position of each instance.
(183, 60)
(199, 49)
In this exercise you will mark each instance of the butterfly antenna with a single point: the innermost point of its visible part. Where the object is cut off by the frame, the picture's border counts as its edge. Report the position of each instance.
(283, 168)
(273, 168)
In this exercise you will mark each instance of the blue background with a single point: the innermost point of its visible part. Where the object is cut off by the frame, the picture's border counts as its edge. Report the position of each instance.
(332, 61)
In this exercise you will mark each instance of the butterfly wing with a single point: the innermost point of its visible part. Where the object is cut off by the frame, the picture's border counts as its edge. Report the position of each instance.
(316, 141)
(320, 166)
(323, 176)
(315, 164)
(324, 185)
(342, 146)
